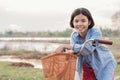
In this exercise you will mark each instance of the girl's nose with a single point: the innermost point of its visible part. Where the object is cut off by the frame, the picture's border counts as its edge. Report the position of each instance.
(79, 23)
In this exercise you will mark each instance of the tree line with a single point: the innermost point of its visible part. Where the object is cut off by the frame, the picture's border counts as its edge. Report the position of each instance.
(65, 33)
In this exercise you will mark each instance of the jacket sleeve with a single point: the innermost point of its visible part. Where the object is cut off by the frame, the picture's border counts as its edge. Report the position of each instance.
(96, 34)
(93, 34)
(74, 44)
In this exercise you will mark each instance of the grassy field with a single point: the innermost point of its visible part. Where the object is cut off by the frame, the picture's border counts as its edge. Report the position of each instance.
(8, 72)
(23, 54)
(118, 70)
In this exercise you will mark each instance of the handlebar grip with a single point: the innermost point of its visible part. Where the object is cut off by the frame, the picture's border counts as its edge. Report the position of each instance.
(105, 41)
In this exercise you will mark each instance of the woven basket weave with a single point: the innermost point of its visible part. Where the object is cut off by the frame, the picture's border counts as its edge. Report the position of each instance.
(59, 66)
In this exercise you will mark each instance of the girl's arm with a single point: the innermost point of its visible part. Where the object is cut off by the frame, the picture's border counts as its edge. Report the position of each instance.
(93, 34)
(64, 47)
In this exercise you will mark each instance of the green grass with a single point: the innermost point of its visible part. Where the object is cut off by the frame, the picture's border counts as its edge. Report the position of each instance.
(22, 51)
(8, 72)
(24, 54)
(118, 70)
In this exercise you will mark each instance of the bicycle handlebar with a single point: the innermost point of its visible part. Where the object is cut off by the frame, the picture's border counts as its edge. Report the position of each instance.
(109, 42)
(92, 40)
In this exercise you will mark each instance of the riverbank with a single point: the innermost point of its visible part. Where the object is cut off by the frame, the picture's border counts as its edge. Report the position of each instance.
(22, 58)
(23, 54)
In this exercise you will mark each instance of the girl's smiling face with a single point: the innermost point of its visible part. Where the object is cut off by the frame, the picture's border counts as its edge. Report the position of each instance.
(81, 23)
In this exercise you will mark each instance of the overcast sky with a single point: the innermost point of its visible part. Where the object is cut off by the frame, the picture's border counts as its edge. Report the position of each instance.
(43, 15)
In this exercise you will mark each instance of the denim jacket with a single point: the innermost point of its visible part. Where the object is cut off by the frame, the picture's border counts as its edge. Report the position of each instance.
(100, 59)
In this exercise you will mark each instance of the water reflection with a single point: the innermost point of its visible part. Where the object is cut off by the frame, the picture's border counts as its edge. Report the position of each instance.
(27, 45)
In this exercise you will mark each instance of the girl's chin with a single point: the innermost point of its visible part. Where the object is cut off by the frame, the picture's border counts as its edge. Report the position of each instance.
(81, 31)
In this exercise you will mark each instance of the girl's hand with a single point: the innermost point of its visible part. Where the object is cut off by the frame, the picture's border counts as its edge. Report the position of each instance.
(60, 49)
(69, 52)
(64, 48)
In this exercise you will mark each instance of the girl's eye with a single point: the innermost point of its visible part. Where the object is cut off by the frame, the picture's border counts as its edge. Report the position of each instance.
(83, 20)
(76, 21)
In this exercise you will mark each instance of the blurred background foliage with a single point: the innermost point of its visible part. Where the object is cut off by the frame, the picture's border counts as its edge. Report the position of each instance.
(107, 32)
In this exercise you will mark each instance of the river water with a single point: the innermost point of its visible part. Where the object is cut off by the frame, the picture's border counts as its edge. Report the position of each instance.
(27, 45)
(31, 44)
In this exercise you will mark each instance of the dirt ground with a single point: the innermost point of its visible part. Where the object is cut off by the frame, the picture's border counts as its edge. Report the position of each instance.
(30, 56)
(21, 64)
(25, 56)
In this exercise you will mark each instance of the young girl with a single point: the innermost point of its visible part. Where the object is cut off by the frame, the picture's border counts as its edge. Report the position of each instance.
(100, 66)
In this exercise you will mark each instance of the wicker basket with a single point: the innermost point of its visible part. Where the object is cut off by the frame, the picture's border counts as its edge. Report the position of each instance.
(59, 66)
